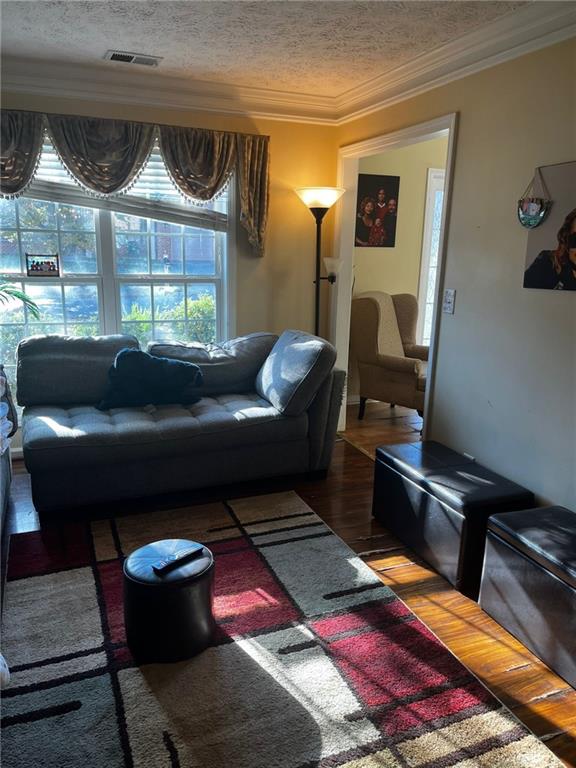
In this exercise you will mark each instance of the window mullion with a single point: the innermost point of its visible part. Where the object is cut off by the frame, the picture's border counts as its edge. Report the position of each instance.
(105, 244)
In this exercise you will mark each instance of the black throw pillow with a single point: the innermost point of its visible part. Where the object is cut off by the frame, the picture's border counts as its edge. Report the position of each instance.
(138, 379)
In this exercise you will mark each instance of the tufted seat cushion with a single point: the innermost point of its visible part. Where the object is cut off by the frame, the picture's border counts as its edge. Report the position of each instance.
(81, 435)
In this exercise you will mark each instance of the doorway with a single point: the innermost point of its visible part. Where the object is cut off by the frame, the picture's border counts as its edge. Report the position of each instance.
(352, 159)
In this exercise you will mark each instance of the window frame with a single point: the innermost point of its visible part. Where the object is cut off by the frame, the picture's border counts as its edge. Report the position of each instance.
(109, 281)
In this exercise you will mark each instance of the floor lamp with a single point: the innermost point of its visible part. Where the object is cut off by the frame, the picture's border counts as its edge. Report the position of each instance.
(319, 200)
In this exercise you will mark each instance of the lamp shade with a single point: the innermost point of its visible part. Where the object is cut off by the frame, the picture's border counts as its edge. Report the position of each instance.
(319, 197)
(332, 265)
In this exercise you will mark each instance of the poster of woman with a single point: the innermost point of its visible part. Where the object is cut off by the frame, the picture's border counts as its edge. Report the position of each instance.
(551, 252)
(376, 211)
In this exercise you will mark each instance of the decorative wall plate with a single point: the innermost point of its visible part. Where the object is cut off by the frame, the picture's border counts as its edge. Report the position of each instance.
(532, 210)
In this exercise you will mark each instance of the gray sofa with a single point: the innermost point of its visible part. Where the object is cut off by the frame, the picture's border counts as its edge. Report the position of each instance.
(269, 407)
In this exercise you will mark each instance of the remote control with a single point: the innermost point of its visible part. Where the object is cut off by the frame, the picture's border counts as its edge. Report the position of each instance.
(176, 560)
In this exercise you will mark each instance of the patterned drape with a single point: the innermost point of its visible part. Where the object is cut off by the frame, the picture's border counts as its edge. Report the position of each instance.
(199, 161)
(106, 156)
(21, 135)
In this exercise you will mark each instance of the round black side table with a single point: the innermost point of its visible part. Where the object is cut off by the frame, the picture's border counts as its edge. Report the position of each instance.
(168, 612)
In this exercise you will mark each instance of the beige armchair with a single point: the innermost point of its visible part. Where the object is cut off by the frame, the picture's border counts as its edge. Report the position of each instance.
(391, 366)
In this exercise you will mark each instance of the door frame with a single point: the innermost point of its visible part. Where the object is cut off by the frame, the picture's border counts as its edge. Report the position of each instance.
(348, 163)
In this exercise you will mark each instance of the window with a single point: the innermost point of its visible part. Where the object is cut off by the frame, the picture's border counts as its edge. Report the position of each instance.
(147, 262)
(430, 246)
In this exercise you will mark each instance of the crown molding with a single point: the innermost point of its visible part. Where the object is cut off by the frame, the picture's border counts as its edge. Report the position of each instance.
(529, 29)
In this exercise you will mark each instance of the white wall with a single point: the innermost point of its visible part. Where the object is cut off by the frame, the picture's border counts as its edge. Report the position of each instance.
(506, 377)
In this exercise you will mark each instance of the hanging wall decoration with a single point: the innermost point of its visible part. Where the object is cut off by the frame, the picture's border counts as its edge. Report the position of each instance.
(532, 210)
(551, 250)
(376, 211)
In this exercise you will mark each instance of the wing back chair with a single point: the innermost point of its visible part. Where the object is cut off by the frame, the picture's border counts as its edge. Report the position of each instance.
(391, 366)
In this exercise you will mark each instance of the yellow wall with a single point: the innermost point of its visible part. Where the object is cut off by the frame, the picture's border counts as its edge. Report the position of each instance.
(397, 270)
(506, 382)
(274, 292)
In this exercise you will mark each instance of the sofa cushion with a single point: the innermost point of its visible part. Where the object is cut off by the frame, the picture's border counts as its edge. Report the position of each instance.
(56, 437)
(228, 367)
(65, 370)
(294, 371)
(137, 379)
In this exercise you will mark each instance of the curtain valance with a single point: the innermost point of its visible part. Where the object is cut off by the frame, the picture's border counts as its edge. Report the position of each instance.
(105, 157)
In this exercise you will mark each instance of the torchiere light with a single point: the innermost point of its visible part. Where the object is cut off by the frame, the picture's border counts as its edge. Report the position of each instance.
(319, 200)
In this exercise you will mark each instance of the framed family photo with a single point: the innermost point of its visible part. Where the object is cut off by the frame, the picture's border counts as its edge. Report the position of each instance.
(551, 249)
(42, 265)
(376, 211)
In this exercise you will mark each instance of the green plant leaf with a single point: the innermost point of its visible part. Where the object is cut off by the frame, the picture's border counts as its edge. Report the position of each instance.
(9, 292)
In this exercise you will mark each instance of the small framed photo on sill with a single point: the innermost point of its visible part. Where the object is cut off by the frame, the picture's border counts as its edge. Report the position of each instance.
(42, 265)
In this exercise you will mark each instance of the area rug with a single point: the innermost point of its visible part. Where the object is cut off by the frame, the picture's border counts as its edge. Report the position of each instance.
(316, 662)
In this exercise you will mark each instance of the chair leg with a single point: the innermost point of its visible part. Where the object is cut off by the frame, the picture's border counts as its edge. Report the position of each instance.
(362, 407)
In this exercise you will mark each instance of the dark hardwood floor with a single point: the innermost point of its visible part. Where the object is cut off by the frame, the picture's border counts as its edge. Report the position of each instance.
(538, 697)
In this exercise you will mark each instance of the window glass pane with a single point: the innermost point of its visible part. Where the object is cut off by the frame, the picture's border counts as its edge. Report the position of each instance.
(36, 214)
(169, 331)
(169, 302)
(431, 287)
(125, 223)
(49, 301)
(73, 217)
(7, 214)
(81, 303)
(165, 228)
(9, 253)
(136, 302)
(132, 254)
(166, 254)
(35, 329)
(10, 336)
(39, 243)
(201, 312)
(142, 331)
(78, 253)
(199, 251)
(83, 329)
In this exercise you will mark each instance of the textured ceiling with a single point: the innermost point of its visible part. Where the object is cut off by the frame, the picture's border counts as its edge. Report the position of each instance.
(312, 47)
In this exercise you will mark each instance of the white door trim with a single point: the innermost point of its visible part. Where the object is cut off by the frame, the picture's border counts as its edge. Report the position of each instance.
(348, 161)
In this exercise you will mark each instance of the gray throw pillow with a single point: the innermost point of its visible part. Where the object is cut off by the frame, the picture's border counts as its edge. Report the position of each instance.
(227, 368)
(294, 370)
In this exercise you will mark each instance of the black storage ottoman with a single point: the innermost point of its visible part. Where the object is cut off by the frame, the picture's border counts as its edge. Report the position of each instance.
(169, 616)
(529, 582)
(437, 502)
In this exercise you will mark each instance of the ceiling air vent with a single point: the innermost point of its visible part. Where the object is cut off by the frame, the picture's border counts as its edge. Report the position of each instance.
(133, 58)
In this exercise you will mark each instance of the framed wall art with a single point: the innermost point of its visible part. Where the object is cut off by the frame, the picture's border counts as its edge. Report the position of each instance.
(551, 250)
(376, 211)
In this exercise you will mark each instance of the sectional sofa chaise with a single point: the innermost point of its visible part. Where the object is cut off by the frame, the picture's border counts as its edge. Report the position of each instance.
(269, 407)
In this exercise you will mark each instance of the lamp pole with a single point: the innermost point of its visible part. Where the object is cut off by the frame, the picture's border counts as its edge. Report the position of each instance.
(318, 214)
(319, 200)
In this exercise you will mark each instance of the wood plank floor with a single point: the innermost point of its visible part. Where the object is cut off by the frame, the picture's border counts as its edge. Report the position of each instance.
(538, 697)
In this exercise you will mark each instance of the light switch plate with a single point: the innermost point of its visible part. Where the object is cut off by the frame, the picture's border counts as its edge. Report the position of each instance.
(449, 300)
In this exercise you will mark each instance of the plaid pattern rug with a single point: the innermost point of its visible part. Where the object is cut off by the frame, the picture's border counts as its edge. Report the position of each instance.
(316, 662)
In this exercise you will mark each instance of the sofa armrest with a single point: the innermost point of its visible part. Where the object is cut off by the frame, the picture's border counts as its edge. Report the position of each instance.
(398, 364)
(294, 371)
(417, 350)
(323, 416)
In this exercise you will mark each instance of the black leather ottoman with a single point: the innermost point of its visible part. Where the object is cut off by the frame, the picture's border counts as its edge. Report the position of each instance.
(529, 582)
(168, 615)
(437, 502)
